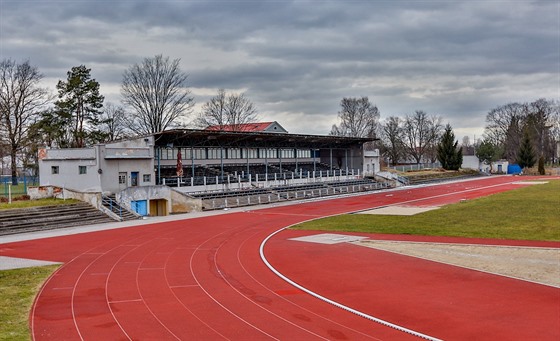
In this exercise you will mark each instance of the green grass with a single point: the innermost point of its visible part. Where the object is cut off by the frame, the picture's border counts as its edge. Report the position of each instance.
(17, 291)
(529, 213)
(15, 190)
(38, 202)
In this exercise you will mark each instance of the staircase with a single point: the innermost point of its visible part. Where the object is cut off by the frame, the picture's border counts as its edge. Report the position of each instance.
(110, 202)
(41, 218)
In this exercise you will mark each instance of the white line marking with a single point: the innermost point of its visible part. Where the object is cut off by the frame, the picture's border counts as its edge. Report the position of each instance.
(336, 304)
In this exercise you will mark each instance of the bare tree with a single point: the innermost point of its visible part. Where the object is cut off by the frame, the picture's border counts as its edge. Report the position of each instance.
(114, 122)
(500, 120)
(21, 99)
(227, 111)
(507, 123)
(421, 134)
(156, 91)
(392, 139)
(539, 122)
(358, 118)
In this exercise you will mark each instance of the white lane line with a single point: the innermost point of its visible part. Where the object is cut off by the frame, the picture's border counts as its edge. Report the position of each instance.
(336, 304)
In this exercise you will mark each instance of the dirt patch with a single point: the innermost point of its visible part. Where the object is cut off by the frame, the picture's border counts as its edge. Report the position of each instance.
(541, 265)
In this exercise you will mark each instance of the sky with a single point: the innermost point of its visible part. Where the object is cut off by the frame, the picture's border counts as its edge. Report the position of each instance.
(295, 60)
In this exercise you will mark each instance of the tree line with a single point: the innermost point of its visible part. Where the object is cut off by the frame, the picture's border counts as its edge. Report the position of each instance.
(155, 97)
(521, 133)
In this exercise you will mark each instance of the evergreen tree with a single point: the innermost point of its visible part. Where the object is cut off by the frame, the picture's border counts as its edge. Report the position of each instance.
(487, 152)
(448, 154)
(78, 107)
(526, 157)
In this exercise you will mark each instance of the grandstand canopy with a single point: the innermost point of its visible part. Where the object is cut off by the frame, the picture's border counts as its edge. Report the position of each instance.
(205, 138)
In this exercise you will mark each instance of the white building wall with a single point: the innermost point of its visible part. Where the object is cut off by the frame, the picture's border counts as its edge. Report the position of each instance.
(103, 165)
(371, 162)
(68, 162)
(471, 162)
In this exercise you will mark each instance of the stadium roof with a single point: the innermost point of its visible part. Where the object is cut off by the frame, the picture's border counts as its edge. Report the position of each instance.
(246, 127)
(205, 138)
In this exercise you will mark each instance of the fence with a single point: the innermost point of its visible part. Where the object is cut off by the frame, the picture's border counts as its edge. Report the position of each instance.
(415, 167)
(24, 182)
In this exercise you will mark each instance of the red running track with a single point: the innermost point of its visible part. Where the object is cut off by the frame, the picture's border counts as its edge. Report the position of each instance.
(203, 279)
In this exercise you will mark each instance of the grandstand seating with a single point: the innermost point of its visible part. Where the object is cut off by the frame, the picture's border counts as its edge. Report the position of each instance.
(240, 172)
(254, 196)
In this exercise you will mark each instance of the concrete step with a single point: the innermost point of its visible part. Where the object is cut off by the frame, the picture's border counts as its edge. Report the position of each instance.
(49, 217)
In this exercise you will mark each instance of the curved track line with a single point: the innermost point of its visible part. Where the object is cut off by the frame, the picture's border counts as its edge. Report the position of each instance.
(213, 298)
(189, 310)
(142, 296)
(290, 302)
(263, 308)
(339, 305)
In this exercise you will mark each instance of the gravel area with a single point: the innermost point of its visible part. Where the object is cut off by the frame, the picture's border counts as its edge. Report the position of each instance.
(540, 265)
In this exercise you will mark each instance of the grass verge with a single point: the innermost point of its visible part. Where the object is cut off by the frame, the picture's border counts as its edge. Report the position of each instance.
(17, 290)
(38, 202)
(528, 213)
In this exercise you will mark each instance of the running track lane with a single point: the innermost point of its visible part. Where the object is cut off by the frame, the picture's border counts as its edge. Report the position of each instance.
(202, 279)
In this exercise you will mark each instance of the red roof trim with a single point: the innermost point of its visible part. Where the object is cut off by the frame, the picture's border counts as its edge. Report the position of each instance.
(254, 127)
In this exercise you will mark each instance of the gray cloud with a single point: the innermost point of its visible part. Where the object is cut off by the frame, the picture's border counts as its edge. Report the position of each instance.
(297, 59)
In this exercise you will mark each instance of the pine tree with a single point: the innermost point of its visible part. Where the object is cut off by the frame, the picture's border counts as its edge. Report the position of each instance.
(78, 107)
(526, 157)
(448, 154)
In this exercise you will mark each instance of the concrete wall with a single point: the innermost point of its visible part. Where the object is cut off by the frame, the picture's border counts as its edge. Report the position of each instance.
(176, 202)
(68, 162)
(471, 162)
(126, 157)
(103, 164)
(42, 192)
(371, 163)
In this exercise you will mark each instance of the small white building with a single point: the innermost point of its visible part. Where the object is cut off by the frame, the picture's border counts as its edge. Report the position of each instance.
(109, 167)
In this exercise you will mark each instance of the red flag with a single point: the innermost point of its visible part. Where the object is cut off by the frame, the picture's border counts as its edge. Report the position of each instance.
(179, 164)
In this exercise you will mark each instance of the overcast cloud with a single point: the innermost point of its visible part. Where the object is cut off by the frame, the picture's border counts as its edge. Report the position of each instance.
(297, 59)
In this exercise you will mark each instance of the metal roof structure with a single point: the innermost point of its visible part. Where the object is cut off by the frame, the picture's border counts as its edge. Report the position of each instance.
(246, 127)
(205, 138)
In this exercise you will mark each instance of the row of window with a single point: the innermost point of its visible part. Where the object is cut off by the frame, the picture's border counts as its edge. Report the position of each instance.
(122, 175)
(81, 170)
(232, 153)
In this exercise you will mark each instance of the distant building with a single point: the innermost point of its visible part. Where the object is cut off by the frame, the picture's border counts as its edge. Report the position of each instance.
(261, 127)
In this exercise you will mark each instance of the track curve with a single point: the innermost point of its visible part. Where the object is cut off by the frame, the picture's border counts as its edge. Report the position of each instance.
(203, 278)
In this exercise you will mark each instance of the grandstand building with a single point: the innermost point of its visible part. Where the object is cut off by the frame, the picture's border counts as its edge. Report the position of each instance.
(181, 170)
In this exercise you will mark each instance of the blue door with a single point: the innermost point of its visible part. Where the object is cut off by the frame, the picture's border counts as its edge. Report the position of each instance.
(133, 178)
(140, 207)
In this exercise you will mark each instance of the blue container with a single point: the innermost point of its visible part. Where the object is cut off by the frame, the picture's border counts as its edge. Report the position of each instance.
(514, 169)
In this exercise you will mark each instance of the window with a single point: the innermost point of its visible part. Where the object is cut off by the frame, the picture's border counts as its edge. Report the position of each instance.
(287, 153)
(54, 169)
(250, 153)
(82, 170)
(234, 153)
(146, 177)
(303, 153)
(122, 178)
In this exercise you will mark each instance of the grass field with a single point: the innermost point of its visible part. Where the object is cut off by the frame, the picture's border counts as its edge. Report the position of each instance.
(530, 213)
(17, 291)
(39, 202)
